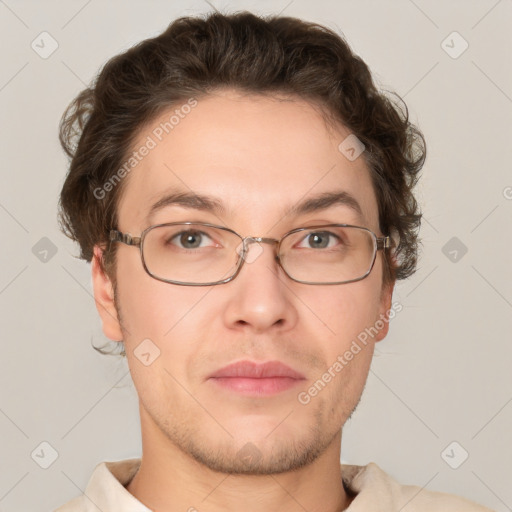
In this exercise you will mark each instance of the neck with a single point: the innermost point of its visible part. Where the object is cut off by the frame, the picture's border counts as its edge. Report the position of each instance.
(170, 480)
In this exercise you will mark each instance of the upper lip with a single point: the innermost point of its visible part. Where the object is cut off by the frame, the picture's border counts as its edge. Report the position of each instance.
(253, 370)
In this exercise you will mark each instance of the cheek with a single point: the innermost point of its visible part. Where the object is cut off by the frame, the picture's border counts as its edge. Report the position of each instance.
(162, 332)
(346, 310)
(149, 308)
(348, 313)
(160, 311)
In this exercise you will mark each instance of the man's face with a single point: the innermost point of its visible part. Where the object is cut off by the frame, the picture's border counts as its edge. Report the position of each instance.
(259, 157)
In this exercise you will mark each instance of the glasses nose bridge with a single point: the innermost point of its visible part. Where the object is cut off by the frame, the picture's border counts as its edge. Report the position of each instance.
(259, 239)
(248, 240)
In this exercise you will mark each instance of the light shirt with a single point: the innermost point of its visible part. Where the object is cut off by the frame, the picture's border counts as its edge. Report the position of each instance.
(375, 490)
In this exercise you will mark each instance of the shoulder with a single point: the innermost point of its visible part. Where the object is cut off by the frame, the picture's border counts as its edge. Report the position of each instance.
(373, 486)
(106, 489)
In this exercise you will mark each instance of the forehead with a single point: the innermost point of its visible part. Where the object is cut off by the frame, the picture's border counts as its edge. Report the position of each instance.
(259, 156)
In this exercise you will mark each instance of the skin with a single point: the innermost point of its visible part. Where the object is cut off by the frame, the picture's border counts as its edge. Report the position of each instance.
(259, 156)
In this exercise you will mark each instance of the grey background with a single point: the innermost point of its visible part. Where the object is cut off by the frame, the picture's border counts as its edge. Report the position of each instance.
(443, 372)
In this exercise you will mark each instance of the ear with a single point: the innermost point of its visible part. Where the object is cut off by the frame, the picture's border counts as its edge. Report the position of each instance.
(104, 298)
(384, 308)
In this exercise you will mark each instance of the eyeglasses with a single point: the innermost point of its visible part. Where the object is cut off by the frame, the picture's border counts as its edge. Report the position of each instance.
(202, 254)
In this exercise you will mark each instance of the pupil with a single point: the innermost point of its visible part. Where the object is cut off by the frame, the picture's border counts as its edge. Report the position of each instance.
(317, 241)
(190, 240)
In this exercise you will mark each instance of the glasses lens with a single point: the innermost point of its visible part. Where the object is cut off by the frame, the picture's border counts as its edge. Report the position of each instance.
(191, 253)
(328, 254)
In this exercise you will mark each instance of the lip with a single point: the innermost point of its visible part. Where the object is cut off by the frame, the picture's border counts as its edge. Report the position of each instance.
(248, 378)
(251, 370)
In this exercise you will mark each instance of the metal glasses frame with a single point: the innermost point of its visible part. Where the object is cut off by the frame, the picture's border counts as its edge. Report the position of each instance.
(380, 243)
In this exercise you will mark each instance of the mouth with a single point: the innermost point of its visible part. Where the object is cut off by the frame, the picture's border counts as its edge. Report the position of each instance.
(248, 378)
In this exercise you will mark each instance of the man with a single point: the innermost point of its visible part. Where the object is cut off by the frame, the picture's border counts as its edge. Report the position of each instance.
(244, 194)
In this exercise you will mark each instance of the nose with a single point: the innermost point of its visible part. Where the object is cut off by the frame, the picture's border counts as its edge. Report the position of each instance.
(259, 298)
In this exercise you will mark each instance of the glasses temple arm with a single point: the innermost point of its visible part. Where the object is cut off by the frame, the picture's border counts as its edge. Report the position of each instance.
(384, 242)
(125, 238)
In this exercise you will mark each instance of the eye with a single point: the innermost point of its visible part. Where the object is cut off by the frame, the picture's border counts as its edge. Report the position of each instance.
(190, 239)
(320, 240)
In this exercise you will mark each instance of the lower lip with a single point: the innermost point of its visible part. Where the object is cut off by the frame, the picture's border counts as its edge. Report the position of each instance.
(249, 386)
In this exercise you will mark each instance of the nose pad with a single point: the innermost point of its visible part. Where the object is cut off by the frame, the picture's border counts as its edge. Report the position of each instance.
(254, 250)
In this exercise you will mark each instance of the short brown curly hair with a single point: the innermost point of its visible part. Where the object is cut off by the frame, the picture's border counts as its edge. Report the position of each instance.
(253, 54)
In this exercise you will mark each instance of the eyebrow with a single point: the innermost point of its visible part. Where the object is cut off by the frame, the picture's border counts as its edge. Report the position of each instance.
(206, 203)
